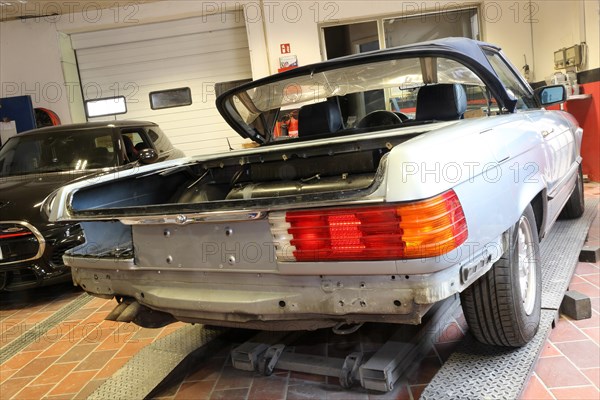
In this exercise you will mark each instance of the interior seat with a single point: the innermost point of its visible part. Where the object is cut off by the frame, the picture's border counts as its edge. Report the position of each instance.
(441, 102)
(100, 156)
(130, 150)
(319, 118)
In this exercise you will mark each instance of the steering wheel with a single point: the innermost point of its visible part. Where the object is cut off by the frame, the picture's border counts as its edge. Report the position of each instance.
(403, 117)
(379, 118)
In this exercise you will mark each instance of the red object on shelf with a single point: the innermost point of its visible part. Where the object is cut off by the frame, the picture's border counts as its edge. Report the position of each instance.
(286, 68)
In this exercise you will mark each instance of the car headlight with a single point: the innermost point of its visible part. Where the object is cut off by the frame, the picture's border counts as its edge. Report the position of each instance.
(48, 204)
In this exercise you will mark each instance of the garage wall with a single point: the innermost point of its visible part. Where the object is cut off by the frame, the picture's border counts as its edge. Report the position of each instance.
(193, 52)
(509, 24)
(30, 64)
(271, 23)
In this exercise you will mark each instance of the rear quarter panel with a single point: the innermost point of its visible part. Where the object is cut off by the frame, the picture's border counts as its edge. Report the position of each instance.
(495, 165)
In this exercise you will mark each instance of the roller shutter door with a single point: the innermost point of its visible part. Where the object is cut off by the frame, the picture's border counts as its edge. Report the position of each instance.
(195, 53)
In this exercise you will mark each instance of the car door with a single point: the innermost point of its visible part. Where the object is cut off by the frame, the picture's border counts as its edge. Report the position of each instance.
(558, 139)
(560, 151)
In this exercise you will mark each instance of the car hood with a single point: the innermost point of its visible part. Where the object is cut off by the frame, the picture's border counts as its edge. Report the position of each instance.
(20, 196)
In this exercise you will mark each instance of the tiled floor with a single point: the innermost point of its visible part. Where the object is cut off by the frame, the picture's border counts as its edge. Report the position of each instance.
(72, 359)
(569, 367)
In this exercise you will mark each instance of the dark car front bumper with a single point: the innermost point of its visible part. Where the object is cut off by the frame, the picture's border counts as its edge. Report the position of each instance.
(32, 256)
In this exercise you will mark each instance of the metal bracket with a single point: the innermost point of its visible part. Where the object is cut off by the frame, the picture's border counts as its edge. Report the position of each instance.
(269, 359)
(349, 373)
(247, 355)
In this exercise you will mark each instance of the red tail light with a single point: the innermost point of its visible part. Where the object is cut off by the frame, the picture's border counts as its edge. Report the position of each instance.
(425, 228)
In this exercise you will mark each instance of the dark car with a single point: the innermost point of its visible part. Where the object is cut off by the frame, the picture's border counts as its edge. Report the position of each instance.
(34, 164)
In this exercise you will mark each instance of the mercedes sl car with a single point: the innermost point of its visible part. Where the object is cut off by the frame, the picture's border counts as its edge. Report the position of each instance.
(379, 184)
(34, 164)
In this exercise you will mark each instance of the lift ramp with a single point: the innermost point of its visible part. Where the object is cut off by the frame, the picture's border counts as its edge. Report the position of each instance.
(478, 371)
(379, 371)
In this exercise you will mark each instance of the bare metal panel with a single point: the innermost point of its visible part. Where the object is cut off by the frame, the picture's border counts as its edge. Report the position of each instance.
(235, 246)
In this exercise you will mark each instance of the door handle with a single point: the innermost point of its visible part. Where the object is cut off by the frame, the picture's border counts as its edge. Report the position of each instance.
(546, 133)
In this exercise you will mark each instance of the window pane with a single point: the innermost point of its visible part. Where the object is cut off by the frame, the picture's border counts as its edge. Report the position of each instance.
(57, 151)
(170, 98)
(273, 108)
(343, 40)
(413, 29)
(523, 96)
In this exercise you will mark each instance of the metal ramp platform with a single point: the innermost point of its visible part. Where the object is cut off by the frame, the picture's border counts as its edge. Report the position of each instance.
(477, 371)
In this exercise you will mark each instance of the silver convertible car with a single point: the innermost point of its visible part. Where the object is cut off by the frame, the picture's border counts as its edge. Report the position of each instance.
(378, 185)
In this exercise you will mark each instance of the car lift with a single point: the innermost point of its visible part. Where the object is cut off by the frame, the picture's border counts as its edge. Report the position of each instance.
(267, 351)
(474, 370)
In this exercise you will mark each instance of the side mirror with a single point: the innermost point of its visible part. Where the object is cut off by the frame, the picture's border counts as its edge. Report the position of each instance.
(549, 95)
(147, 156)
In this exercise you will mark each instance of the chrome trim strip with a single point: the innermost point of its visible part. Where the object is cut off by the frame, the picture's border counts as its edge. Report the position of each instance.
(573, 171)
(38, 236)
(78, 262)
(223, 216)
(185, 219)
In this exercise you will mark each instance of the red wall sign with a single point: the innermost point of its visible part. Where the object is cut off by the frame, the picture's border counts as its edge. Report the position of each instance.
(285, 48)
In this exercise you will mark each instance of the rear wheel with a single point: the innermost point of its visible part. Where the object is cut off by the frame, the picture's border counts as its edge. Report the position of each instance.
(575, 205)
(503, 307)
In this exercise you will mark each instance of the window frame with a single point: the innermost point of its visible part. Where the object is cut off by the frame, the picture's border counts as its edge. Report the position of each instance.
(380, 21)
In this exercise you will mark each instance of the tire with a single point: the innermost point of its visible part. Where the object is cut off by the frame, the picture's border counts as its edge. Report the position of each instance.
(575, 205)
(503, 307)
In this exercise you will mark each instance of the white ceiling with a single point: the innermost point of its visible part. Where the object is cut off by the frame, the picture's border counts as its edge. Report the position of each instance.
(19, 9)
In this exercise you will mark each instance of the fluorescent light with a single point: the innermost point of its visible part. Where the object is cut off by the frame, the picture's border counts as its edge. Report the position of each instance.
(107, 106)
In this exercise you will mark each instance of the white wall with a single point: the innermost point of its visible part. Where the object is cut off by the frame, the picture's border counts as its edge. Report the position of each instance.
(506, 24)
(36, 58)
(592, 25)
(560, 24)
(284, 24)
(30, 64)
(552, 24)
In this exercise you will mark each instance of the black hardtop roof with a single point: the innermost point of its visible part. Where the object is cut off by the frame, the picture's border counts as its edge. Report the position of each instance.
(89, 125)
(462, 48)
(467, 51)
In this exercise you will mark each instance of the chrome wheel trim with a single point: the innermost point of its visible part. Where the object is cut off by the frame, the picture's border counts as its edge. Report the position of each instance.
(527, 265)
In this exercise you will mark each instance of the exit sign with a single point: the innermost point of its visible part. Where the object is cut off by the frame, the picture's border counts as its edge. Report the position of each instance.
(285, 48)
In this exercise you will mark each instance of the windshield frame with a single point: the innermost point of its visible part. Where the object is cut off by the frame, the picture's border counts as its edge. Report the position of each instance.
(464, 51)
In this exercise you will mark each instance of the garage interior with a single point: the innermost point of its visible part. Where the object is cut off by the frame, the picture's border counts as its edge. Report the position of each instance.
(55, 341)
